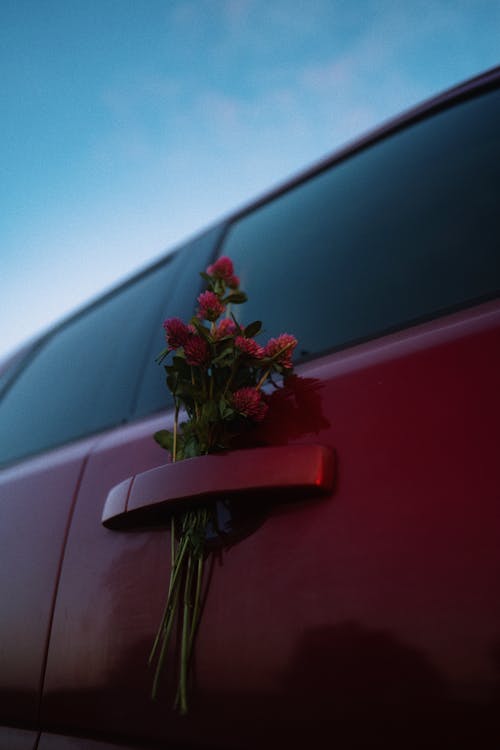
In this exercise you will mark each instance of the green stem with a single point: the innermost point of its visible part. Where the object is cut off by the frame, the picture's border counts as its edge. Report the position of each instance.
(176, 426)
(169, 606)
(186, 580)
(193, 383)
(230, 379)
(172, 547)
(184, 642)
(181, 551)
(196, 608)
(263, 379)
(166, 639)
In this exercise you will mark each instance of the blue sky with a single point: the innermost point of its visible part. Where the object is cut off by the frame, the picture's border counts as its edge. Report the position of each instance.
(129, 125)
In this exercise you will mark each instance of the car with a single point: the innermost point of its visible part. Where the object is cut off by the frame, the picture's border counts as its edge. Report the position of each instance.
(363, 611)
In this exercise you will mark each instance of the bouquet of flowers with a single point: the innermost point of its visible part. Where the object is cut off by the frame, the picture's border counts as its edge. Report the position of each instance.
(216, 377)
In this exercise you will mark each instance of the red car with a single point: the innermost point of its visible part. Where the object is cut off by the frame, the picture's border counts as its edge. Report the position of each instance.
(365, 615)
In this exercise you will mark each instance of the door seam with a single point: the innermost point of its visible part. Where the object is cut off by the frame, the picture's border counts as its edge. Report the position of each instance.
(43, 671)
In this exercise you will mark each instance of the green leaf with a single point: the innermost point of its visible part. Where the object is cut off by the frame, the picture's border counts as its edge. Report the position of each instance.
(191, 447)
(172, 380)
(179, 360)
(202, 330)
(239, 329)
(209, 411)
(161, 356)
(225, 339)
(226, 412)
(253, 329)
(218, 286)
(165, 439)
(237, 298)
(226, 353)
(181, 367)
(205, 276)
(186, 389)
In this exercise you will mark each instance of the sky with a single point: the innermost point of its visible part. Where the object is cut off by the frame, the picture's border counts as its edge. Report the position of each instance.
(130, 125)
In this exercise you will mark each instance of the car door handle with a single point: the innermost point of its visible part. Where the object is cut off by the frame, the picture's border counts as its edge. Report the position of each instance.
(288, 471)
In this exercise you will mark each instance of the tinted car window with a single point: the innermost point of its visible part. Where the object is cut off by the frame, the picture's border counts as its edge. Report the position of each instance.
(84, 377)
(9, 367)
(405, 229)
(153, 394)
(98, 370)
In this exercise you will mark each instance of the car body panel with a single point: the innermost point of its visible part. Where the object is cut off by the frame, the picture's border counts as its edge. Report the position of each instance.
(49, 741)
(380, 600)
(36, 499)
(18, 739)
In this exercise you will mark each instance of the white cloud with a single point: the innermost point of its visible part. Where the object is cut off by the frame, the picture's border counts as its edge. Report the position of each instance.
(237, 95)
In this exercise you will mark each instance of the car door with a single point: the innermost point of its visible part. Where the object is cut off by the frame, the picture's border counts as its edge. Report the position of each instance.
(36, 499)
(371, 611)
(18, 739)
(72, 385)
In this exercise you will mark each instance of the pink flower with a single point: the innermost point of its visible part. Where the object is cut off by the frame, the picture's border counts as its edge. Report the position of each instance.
(210, 306)
(249, 403)
(233, 282)
(281, 349)
(222, 269)
(177, 332)
(249, 346)
(226, 327)
(196, 351)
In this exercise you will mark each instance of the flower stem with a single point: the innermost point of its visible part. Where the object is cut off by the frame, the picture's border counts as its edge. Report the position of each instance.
(196, 606)
(193, 383)
(172, 596)
(185, 637)
(263, 379)
(176, 426)
(166, 633)
(172, 547)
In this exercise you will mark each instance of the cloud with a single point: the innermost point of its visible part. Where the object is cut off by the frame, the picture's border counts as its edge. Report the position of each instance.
(220, 100)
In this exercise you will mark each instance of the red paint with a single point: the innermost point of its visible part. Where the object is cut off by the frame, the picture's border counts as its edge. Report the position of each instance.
(59, 742)
(116, 502)
(381, 603)
(35, 504)
(17, 739)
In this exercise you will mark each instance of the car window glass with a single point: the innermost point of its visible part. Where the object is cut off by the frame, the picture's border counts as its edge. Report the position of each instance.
(83, 379)
(405, 229)
(9, 367)
(153, 394)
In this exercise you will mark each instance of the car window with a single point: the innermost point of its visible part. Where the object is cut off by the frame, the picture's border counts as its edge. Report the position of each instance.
(9, 366)
(153, 394)
(401, 231)
(83, 378)
(98, 370)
